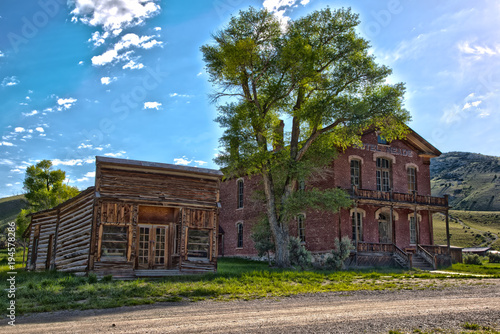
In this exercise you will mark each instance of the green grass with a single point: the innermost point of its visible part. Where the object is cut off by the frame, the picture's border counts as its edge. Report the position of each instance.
(468, 328)
(481, 224)
(9, 208)
(235, 279)
(485, 269)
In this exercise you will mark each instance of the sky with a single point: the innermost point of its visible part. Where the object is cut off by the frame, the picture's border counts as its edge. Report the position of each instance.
(126, 78)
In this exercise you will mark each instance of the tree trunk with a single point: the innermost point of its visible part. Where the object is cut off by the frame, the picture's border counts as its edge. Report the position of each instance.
(279, 229)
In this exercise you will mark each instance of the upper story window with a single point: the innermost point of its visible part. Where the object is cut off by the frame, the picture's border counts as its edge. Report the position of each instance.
(239, 237)
(356, 173)
(240, 194)
(412, 179)
(384, 174)
(381, 140)
(301, 227)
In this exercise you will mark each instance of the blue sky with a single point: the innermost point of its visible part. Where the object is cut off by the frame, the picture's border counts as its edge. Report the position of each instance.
(125, 78)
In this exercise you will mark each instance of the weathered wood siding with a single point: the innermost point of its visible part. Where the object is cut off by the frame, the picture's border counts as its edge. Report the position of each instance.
(73, 236)
(46, 224)
(149, 186)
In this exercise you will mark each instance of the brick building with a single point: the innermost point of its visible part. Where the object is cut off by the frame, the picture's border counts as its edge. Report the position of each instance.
(390, 186)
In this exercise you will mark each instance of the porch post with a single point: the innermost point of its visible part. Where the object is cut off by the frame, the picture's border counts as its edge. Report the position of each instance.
(431, 226)
(393, 225)
(417, 224)
(448, 233)
(356, 229)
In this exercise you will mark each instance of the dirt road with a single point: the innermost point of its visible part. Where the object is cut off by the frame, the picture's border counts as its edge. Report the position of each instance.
(477, 301)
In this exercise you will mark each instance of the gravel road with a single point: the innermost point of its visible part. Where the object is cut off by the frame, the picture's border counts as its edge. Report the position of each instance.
(448, 307)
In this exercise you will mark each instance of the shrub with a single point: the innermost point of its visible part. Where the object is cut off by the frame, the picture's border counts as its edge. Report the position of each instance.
(339, 254)
(299, 256)
(92, 278)
(107, 278)
(494, 257)
(472, 259)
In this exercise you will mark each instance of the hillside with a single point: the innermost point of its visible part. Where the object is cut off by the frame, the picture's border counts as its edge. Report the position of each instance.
(9, 208)
(471, 180)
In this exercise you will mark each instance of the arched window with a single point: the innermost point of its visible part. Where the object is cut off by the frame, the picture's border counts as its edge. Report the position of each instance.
(412, 179)
(239, 238)
(384, 230)
(383, 174)
(301, 227)
(240, 194)
(413, 231)
(356, 173)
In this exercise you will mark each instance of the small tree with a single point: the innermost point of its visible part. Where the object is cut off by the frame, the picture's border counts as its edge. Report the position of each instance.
(263, 238)
(44, 190)
(340, 253)
(299, 255)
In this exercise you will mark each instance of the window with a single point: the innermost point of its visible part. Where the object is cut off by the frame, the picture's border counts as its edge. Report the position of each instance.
(114, 242)
(381, 140)
(198, 247)
(239, 231)
(301, 228)
(356, 173)
(359, 222)
(240, 194)
(412, 179)
(413, 231)
(383, 174)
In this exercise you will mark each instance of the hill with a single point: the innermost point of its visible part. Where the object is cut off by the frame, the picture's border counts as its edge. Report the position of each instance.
(471, 180)
(9, 208)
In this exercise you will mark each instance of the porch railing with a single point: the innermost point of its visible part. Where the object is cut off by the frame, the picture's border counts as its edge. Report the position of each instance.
(374, 247)
(399, 197)
(428, 257)
(404, 257)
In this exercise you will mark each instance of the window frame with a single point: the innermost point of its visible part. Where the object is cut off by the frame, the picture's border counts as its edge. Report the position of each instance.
(360, 226)
(411, 173)
(189, 251)
(301, 227)
(412, 230)
(383, 174)
(240, 188)
(103, 241)
(353, 169)
(239, 235)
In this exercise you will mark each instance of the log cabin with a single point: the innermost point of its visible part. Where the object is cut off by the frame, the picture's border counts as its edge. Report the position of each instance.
(390, 221)
(140, 219)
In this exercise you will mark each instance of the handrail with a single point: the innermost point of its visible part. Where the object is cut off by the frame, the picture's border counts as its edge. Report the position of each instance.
(431, 259)
(405, 257)
(399, 197)
(374, 247)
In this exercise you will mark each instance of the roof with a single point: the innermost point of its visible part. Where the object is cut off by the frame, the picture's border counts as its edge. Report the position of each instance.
(475, 249)
(159, 166)
(423, 146)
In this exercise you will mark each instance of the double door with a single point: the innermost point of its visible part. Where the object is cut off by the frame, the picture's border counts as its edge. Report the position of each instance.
(156, 245)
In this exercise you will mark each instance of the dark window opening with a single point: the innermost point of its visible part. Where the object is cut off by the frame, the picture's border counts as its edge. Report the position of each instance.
(359, 224)
(381, 140)
(412, 179)
(239, 231)
(356, 173)
(240, 193)
(198, 248)
(114, 242)
(383, 174)
(301, 228)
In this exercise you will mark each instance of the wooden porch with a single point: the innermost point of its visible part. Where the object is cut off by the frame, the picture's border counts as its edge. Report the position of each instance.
(401, 199)
(427, 257)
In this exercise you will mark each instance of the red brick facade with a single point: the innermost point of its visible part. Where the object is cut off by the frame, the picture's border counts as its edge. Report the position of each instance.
(372, 204)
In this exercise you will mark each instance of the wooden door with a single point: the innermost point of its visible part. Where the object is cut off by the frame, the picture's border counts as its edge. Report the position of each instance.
(384, 232)
(154, 246)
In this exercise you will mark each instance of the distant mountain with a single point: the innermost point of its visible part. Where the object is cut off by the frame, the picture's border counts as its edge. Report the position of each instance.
(471, 180)
(9, 208)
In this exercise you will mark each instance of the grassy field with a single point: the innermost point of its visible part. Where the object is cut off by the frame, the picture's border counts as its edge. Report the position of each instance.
(9, 208)
(235, 279)
(480, 228)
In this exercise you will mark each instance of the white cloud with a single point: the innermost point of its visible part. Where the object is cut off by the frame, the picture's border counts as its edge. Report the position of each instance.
(465, 47)
(39, 129)
(6, 143)
(107, 80)
(81, 62)
(90, 174)
(66, 103)
(472, 104)
(126, 42)
(182, 161)
(158, 28)
(6, 162)
(115, 155)
(19, 129)
(83, 145)
(73, 162)
(152, 105)
(10, 81)
(98, 38)
(133, 66)
(180, 95)
(279, 7)
(9, 185)
(200, 162)
(3, 55)
(114, 15)
(82, 179)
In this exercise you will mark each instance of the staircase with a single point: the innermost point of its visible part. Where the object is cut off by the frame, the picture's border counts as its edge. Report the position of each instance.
(400, 262)
(420, 263)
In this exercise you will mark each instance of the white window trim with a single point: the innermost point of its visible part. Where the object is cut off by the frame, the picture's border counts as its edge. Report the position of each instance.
(411, 165)
(356, 157)
(384, 155)
(387, 211)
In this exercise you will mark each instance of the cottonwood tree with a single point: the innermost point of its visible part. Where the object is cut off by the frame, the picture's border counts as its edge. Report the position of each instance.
(44, 190)
(318, 76)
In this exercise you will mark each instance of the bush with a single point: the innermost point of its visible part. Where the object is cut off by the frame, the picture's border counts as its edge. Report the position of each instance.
(472, 259)
(92, 278)
(339, 254)
(299, 256)
(494, 257)
(107, 278)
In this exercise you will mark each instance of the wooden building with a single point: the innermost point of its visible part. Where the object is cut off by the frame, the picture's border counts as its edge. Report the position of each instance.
(140, 219)
(390, 221)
